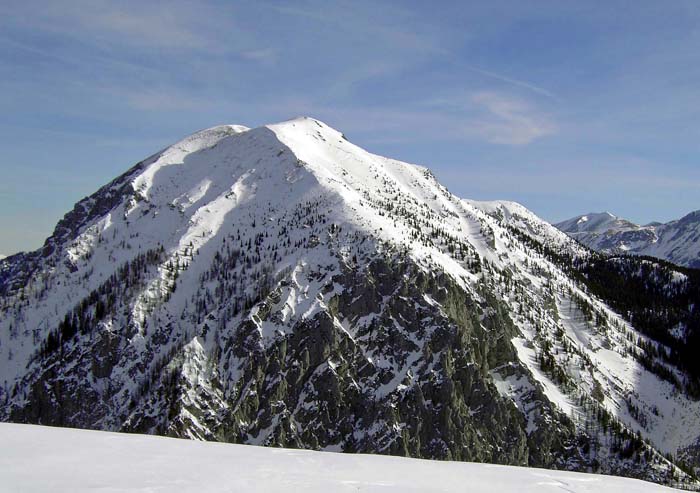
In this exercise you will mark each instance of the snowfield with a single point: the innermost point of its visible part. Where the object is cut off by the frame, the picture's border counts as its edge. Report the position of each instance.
(40, 459)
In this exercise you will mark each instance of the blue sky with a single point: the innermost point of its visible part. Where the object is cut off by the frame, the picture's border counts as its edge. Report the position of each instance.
(567, 107)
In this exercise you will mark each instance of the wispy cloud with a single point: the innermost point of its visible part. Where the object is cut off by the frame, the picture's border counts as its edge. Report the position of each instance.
(177, 27)
(167, 25)
(531, 87)
(393, 27)
(365, 42)
(267, 56)
(507, 120)
(160, 99)
(162, 25)
(489, 116)
(482, 116)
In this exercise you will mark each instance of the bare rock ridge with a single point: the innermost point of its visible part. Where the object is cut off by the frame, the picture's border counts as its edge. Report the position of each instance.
(281, 286)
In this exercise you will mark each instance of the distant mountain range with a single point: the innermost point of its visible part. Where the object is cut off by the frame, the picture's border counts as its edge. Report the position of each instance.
(676, 241)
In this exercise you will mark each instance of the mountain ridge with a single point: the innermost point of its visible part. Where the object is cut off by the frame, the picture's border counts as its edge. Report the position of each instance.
(282, 286)
(677, 241)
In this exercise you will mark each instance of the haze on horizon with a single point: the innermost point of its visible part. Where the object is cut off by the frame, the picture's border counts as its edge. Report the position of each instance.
(567, 107)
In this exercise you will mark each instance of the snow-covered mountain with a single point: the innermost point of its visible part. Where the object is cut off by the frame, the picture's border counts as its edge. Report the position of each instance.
(54, 459)
(676, 241)
(281, 286)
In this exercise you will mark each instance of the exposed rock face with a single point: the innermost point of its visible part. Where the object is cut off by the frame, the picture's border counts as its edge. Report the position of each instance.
(397, 363)
(280, 286)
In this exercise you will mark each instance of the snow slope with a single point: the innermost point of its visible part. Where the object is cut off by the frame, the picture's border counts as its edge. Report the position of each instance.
(677, 241)
(39, 459)
(261, 286)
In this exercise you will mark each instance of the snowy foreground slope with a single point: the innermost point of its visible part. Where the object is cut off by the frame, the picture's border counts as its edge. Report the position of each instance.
(676, 241)
(40, 459)
(281, 286)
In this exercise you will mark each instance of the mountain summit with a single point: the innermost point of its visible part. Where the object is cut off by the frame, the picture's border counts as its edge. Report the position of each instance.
(281, 286)
(595, 222)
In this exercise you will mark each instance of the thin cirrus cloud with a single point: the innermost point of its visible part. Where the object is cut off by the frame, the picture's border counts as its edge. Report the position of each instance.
(515, 82)
(266, 56)
(495, 117)
(509, 121)
(156, 25)
(385, 27)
